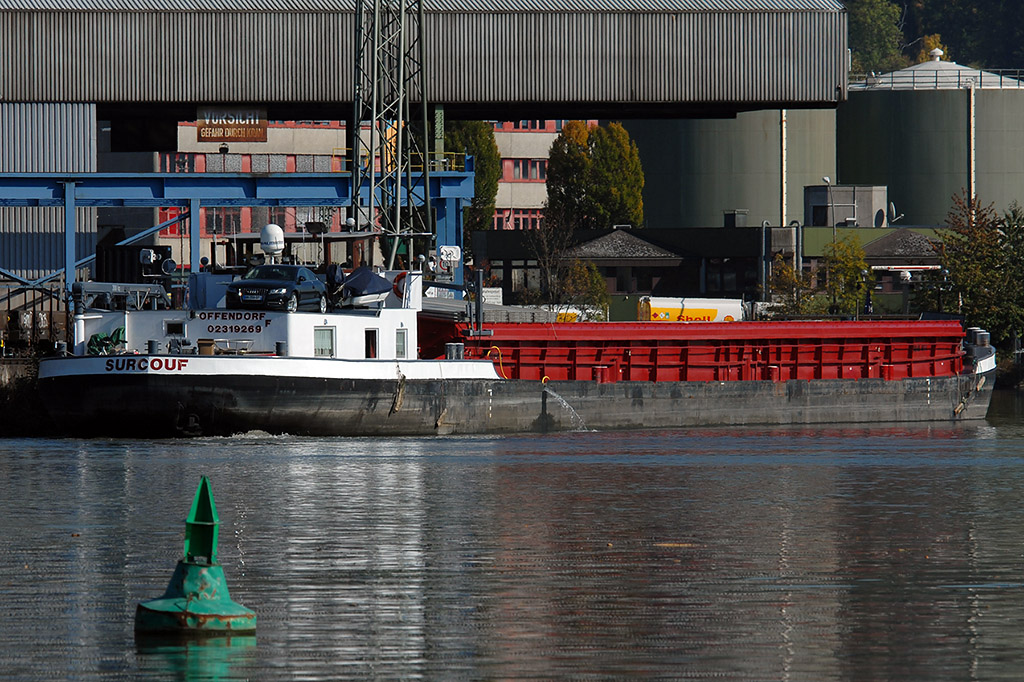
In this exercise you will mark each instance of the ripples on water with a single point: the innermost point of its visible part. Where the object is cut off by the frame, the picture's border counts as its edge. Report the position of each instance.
(844, 553)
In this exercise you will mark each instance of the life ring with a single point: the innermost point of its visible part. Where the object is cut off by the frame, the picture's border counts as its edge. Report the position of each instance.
(399, 285)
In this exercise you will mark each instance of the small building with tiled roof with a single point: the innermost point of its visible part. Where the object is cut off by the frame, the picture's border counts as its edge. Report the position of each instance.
(622, 249)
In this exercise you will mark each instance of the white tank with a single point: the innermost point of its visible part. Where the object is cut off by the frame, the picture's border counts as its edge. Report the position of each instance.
(272, 239)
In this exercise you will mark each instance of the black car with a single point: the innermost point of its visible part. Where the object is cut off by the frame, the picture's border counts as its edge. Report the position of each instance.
(285, 287)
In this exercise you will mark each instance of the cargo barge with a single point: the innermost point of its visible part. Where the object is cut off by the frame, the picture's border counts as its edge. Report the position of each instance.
(356, 372)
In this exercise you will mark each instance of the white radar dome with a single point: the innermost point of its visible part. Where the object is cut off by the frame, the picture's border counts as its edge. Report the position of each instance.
(272, 239)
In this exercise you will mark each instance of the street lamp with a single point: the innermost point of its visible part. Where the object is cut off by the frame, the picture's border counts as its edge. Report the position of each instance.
(831, 209)
(828, 183)
(868, 306)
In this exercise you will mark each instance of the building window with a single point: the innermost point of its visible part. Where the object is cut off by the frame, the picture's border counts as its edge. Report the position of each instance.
(370, 344)
(401, 338)
(323, 342)
(518, 219)
(224, 220)
(171, 162)
(166, 213)
(526, 169)
(279, 216)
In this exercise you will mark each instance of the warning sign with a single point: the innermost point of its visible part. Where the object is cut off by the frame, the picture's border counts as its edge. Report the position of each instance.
(231, 124)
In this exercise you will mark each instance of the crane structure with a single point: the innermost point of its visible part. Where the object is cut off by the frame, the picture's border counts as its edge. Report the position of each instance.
(393, 174)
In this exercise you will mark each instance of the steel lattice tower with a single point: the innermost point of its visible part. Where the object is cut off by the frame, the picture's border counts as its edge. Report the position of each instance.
(390, 89)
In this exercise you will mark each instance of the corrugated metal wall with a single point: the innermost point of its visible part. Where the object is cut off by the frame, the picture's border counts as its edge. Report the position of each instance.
(41, 138)
(784, 52)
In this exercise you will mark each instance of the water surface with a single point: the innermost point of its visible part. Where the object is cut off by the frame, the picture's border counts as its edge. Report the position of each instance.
(765, 554)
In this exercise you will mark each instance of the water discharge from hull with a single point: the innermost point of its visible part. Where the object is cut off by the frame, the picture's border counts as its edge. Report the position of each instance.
(576, 418)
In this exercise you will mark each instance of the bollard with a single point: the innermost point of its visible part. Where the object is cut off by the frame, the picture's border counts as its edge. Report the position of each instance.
(196, 601)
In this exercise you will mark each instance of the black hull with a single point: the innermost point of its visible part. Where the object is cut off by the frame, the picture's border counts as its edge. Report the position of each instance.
(156, 406)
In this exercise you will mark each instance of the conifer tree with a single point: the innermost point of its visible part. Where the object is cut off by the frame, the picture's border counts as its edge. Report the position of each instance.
(983, 256)
(477, 139)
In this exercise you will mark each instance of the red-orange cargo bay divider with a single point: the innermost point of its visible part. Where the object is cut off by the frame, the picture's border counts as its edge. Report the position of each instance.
(720, 351)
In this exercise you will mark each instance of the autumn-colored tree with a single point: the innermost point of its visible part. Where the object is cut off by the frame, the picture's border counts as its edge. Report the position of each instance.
(583, 287)
(792, 292)
(848, 276)
(569, 201)
(595, 179)
(476, 138)
(929, 43)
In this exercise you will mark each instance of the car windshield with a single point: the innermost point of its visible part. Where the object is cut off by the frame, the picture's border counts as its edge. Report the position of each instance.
(270, 272)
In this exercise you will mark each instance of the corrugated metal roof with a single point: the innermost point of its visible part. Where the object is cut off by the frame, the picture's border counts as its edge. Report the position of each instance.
(642, 58)
(494, 6)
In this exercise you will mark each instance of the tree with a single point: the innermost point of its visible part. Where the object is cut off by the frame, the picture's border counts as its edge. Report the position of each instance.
(595, 179)
(929, 43)
(792, 291)
(585, 288)
(848, 276)
(876, 37)
(477, 139)
(985, 34)
(548, 242)
(983, 256)
(568, 178)
(616, 178)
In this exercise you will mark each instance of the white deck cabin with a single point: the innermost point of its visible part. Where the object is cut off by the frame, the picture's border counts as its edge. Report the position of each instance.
(386, 330)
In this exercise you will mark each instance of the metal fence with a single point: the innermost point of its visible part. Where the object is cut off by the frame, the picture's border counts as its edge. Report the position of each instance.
(31, 320)
(939, 79)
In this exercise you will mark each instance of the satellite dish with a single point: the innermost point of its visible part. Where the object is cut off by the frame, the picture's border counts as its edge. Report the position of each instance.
(892, 213)
(272, 239)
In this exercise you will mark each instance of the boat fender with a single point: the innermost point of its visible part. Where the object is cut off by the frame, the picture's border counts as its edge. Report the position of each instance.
(399, 285)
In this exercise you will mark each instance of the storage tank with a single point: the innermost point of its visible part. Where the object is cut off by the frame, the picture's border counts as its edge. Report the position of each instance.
(930, 131)
(699, 171)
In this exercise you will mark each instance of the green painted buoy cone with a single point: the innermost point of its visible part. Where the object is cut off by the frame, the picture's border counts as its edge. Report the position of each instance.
(197, 601)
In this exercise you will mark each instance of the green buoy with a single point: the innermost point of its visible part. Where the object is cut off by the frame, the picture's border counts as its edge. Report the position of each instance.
(196, 601)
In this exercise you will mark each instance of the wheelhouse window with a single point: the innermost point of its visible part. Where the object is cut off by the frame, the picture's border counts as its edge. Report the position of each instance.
(323, 342)
(371, 343)
(401, 343)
